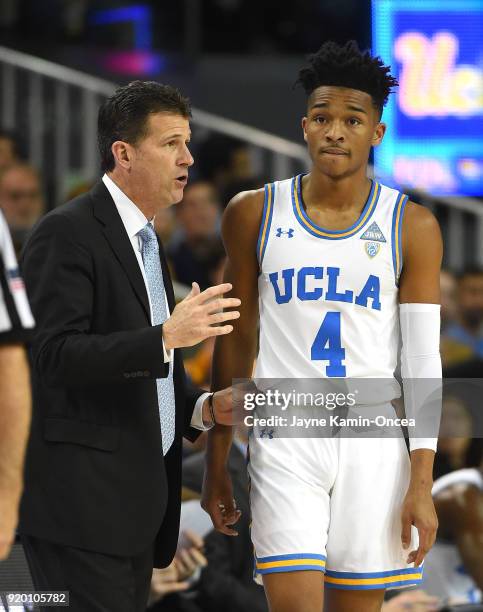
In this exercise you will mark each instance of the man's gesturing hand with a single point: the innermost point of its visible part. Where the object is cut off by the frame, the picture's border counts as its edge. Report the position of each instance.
(198, 316)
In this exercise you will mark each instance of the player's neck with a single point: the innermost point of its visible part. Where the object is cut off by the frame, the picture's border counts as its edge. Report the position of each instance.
(322, 191)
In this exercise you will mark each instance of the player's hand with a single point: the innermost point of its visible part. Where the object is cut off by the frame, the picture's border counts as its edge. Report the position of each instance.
(415, 601)
(217, 500)
(8, 521)
(418, 510)
(199, 316)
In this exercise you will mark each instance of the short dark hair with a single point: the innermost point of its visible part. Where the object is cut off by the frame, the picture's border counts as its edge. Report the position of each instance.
(216, 153)
(347, 66)
(124, 115)
(15, 141)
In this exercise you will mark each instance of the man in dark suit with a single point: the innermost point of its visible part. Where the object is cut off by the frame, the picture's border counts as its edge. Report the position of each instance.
(111, 404)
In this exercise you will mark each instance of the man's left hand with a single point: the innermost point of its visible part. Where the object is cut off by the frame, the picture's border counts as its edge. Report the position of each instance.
(418, 510)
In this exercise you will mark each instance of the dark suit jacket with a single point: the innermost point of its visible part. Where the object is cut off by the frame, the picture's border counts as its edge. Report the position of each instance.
(95, 474)
(227, 581)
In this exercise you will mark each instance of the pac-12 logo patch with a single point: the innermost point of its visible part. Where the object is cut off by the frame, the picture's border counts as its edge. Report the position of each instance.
(372, 248)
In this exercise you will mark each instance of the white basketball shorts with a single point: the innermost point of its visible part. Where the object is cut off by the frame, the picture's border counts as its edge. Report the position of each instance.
(332, 505)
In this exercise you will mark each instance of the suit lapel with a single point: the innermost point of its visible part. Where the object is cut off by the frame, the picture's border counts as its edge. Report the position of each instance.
(106, 212)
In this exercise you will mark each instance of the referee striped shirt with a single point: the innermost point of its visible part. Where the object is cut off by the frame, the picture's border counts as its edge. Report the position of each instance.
(16, 320)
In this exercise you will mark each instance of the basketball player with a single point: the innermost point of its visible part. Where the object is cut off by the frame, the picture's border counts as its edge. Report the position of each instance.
(454, 567)
(333, 265)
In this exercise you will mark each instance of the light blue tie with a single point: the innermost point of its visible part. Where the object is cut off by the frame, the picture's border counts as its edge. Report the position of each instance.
(154, 276)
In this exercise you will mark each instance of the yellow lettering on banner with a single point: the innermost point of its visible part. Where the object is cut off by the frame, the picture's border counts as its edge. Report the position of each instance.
(467, 92)
(411, 49)
(430, 82)
(440, 64)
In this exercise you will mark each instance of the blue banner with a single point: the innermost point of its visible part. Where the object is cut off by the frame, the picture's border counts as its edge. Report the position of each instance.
(434, 137)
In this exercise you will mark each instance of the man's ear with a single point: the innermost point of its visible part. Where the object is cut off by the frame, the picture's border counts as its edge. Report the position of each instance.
(304, 126)
(378, 135)
(122, 153)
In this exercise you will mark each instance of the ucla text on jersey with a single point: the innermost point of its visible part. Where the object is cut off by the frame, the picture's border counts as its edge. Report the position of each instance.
(300, 278)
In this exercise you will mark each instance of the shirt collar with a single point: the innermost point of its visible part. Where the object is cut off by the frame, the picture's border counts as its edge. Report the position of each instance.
(132, 217)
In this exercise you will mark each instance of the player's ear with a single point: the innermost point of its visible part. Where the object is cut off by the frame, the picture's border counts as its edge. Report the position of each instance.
(304, 126)
(378, 135)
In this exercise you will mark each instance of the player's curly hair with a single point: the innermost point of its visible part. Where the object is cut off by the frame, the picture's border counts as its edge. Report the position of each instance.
(348, 66)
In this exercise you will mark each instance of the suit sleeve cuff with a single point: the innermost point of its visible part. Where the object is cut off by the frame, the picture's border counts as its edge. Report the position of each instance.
(197, 417)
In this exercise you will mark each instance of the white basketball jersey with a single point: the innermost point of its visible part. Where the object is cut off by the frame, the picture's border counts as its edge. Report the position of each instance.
(444, 572)
(329, 299)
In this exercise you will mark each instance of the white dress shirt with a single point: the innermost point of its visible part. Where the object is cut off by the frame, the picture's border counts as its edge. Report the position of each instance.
(134, 221)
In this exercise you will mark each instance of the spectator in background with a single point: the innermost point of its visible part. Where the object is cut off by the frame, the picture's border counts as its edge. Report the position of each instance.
(234, 187)
(9, 149)
(182, 573)
(463, 339)
(198, 361)
(21, 200)
(467, 369)
(456, 446)
(226, 162)
(198, 364)
(454, 566)
(78, 189)
(164, 581)
(448, 299)
(226, 583)
(165, 224)
(194, 254)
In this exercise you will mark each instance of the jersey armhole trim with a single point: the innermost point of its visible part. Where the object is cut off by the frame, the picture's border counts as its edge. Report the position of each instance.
(265, 222)
(396, 236)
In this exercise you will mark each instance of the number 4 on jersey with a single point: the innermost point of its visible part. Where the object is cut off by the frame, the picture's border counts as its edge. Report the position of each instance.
(327, 345)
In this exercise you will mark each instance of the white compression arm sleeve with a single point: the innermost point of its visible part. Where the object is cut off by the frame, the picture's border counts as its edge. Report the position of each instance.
(421, 370)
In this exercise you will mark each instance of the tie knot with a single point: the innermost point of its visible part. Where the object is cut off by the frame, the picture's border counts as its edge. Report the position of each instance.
(147, 233)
